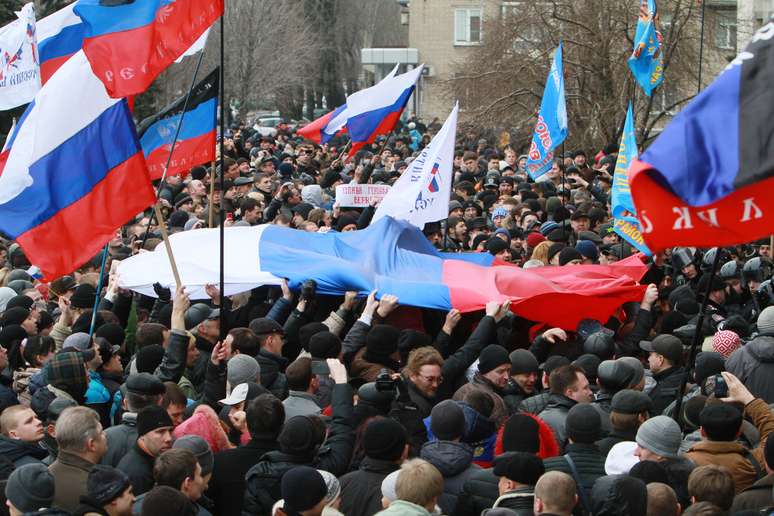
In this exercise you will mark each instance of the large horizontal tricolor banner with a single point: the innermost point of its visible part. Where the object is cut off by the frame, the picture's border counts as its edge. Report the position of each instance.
(707, 180)
(391, 257)
(195, 142)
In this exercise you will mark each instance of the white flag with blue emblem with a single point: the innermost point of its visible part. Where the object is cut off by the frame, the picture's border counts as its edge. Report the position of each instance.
(421, 194)
(19, 63)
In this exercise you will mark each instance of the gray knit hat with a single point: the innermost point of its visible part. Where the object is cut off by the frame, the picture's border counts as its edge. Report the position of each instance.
(30, 488)
(639, 370)
(766, 321)
(660, 435)
(242, 369)
(200, 448)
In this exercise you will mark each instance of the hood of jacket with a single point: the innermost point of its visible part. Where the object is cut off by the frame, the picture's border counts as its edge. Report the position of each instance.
(449, 457)
(14, 449)
(477, 427)
(761, 348)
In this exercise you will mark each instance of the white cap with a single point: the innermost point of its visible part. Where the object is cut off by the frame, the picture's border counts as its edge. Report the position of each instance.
(621, 458)
(237, 396)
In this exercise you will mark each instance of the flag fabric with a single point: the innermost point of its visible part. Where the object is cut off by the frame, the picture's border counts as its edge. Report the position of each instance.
(60, 35)
(130, 42)
(421, 194)
(19, 63)
(197, 46)
(196, 142)
(332, 123)
(551, 127)
(74, 171)
(625, 220)
(707, 179)
(392, 257)
(647, 60)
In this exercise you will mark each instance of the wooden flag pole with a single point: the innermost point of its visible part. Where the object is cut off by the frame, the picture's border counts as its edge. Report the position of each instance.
(167, 245)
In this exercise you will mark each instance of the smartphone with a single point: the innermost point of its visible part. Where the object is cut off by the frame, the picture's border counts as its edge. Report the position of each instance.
(721, 387)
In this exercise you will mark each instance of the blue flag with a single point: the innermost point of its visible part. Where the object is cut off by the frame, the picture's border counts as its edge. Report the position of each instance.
(647, 60)
(626, 223)
(551, 127)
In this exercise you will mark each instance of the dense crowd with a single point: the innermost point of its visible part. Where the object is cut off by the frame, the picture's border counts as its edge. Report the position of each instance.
(320, 405)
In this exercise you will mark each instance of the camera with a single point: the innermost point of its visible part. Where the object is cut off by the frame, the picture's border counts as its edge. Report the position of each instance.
(309, 290)
(384, 382)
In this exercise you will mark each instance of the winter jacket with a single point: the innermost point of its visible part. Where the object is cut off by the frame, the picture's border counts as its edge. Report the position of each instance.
(588, 460)
(138, 466)
(615, 437)
(89, 507)
(619, 495)
(733, 455)
(666, 389)
(555, 415)
(753, 364)
(361, 490)
(362, 368)
(120, 439)
(535, 404)
(300, 403)
(7, 395)
(499, 412)
(263, 479)
(70, 474)
(479, 492)
(227, 485)
(403, 508)
(755, 497)
(272, 376)
(513, 396)
(454, 461)
(678, 471)
(197, 507)
(520, 500)
(21, 452)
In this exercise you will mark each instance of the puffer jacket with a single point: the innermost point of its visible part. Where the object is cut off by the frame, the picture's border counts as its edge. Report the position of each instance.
(535, 404)
(263, 479)
(753, 364)
(478, 493)
(588, 460)
(454, 461)
(555, 415)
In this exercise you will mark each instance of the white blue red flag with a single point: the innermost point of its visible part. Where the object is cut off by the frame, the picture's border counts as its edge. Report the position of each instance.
(421, 194)
(60, 35)
(73, 171)
(19, 63)
(551, 127)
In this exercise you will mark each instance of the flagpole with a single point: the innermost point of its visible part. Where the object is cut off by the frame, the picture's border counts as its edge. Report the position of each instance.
(224, 312)
(174, 142)
(167, 245)
(99, 289)
(701, 42)
(211, 207)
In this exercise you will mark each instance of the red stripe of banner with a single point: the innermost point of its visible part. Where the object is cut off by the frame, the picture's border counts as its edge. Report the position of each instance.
(188, 153)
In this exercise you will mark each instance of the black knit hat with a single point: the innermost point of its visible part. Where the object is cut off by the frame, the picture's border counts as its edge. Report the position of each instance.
(447, 420)
(306, 332)
(521, 433)
(492, 357)
(324, 345)
(381, 342)
(152, 418)
(524, 468)
(83, 297)
(523, 361)
(149, 358)
(11, 316)
(105, 483)
(299, 436)
(384, 439)
(30, 488)
(302, 488)
(583, 424)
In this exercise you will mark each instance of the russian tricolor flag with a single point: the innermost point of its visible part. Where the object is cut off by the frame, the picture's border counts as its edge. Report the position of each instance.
(392, 257)
(196, 141)
(130, 42)
(368, 113)
(707, 179)
(74, 171)
(60, 35)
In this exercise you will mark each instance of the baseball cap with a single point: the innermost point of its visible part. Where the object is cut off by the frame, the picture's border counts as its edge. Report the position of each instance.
(242, 392)
(198, 313)
(667, 345)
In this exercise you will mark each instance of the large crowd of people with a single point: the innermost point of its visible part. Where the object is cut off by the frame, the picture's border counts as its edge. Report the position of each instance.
(356, 405)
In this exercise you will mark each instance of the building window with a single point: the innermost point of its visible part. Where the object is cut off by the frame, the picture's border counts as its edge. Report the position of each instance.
(467, 26)
(725, 32)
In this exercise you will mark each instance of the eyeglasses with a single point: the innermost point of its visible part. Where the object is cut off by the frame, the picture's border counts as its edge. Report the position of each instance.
(432, 379)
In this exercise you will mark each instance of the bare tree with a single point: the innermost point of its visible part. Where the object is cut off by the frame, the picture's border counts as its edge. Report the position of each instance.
(501, 83)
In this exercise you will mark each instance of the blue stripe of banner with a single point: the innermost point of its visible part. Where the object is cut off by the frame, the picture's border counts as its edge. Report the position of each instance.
(68, 41)
(69, 172)
(196, 122)
(109, 19)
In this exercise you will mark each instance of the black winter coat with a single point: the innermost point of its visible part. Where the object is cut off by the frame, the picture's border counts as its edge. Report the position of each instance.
(272, 376)
(478, 493)
(454, 460)
(361, 490)
(665, 391)
(588, 460)
(138, 466)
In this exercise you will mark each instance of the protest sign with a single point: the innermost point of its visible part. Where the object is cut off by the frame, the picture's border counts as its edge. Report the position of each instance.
(360, 196)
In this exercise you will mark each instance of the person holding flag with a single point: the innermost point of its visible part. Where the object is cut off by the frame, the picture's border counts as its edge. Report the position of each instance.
(551, 127)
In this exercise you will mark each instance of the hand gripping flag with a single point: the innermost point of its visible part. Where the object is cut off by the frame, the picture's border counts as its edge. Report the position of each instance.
(647, 60)
(196, 141)
(707, 179)
(74, 171)
(332, 123)
(421, 194)
(392, 257)
(551, 127)
(19, 63)
(625, 221)
(60, 35)
(130, 42)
